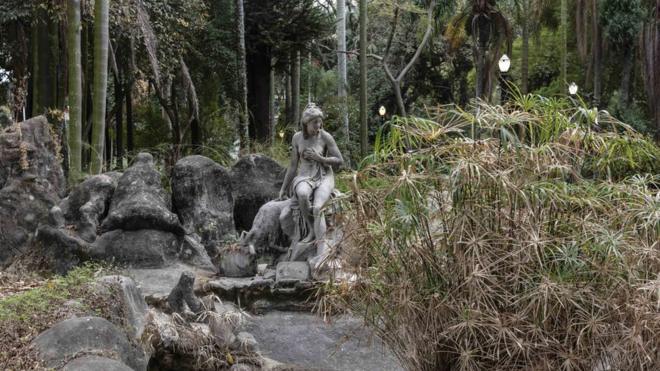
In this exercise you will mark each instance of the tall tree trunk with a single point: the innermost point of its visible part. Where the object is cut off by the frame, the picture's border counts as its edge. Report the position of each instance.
(482, 71)
(242, 76)
(597, 50)
(626, 72)
(119, 120)
(363, 79)
(564, 41)
(45, 56)
(101, 14)
(288, 95)
(20, 67)
(258, 74)
(651, 64)
(271, 104)
(342, 81)
(524, 68)
(75, 90)
(295, 88)
(581, 27)
(128, 92)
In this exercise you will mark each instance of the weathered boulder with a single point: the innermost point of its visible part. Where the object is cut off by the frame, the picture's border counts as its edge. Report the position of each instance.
(31, 182)
(140, 202)
(146, 248)
(61, 249)
(86, 335)
(202, 197)
(134, 308)
(88, 363)
(88, 203)
(28, 150)
(24, 204)
(255, 179)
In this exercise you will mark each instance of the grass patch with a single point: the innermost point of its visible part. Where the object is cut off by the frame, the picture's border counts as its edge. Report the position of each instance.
(29, 306)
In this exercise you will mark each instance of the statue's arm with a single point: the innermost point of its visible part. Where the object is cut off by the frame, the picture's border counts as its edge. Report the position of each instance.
(333, 156)
(293, 165)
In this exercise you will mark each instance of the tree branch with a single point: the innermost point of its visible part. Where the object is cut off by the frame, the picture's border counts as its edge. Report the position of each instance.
(427, 36)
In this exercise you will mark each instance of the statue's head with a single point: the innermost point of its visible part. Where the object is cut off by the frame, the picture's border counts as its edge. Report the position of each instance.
(311, 121)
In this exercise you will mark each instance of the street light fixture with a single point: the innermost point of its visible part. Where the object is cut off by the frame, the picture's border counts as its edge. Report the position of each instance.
(382, 111)
(504, 64)
(573, 88)
(281, 134)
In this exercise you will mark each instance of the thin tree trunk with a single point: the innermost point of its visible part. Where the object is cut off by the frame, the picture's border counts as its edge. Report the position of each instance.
(295, 88)
(119, 122)
(363, 78)
(128, 92)
(564, 40)
(524, 68)
(108, 144)
(396, 81)
(242, 77)
(129, 120)
(101, 17)
(75, 90)
(288, 95)
(597, 50)
(271, 104)
(342, 81)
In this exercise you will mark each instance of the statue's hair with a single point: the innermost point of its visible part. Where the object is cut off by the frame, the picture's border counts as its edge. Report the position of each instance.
(311, 112)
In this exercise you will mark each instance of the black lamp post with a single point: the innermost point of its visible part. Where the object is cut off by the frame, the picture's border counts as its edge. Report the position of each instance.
(504, 64)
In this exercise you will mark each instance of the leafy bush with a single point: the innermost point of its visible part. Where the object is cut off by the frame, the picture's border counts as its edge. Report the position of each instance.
(481, 244)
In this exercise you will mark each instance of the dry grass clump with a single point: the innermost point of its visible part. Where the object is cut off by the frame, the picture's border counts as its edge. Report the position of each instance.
(524, 237)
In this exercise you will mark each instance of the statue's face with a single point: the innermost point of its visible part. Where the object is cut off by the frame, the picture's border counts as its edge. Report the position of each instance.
(314, 126)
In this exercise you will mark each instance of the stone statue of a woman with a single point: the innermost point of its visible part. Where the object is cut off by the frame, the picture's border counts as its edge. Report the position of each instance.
(310, 178)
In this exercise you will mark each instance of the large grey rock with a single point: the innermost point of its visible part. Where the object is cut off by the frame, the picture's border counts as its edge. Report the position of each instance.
(24, 204)
(88, 203)
(146, 248)
(62, 249)
(29, 150)
(95, 363)
(255, 179)
(159, 282)
(306, 340)
(140, 202)
(134, 308)
(202, 197)
(86, 334)
(31, 182)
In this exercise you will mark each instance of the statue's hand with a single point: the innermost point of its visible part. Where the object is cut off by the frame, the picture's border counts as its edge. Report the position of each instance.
(311, 154)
